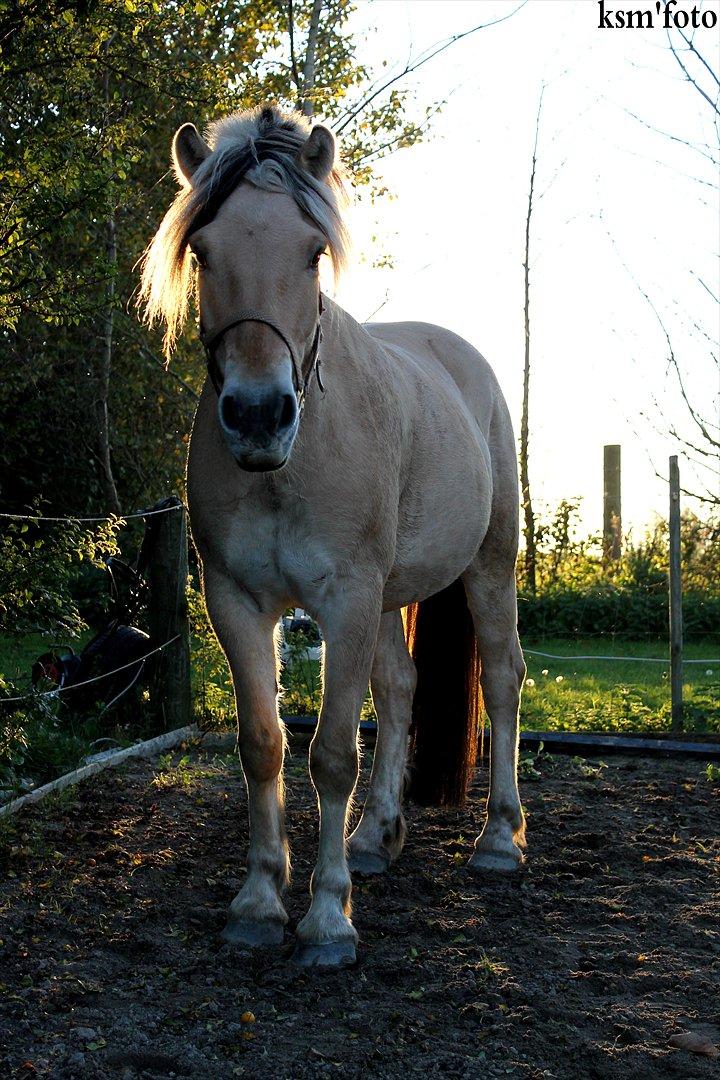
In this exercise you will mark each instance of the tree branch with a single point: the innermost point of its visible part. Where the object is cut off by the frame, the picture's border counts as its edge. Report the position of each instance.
(291, 32)
(693, 82)
(409, 68)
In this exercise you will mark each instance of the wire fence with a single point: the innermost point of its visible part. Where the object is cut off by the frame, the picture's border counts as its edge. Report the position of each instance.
(104, 517)
(33, 695)
(629, 659)
(179, 506)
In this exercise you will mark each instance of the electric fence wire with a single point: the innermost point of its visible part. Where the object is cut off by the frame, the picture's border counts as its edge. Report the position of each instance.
(106, 517)
(629, 659)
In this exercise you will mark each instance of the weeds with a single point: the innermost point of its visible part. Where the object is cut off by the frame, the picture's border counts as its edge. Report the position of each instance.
(712, 773)
(531, 763)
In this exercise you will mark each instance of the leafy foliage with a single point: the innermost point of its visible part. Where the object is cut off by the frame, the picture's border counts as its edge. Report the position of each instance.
(41, 570)
(93, 93)
(579, 595)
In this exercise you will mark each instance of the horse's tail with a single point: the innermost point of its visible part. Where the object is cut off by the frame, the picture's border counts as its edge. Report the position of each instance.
(448, 702)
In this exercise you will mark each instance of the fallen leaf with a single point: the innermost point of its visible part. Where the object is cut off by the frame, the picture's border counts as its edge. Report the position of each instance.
(695, 1043)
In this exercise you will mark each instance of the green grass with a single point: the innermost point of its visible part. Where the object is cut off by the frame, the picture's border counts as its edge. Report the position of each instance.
(619, 696)
(616, 696)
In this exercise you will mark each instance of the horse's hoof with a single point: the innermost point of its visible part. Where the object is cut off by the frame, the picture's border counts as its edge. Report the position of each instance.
(248, 932)
(329, 954)
(367, 863)
(503, 861)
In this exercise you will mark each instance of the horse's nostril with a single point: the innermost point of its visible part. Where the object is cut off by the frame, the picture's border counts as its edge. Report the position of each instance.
(289, 408)
(229, 412)
(263, 418)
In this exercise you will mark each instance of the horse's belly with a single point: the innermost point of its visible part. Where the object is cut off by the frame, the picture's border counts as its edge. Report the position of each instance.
(441, 526)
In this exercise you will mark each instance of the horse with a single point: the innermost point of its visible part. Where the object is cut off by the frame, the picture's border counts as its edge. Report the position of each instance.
(366, 473)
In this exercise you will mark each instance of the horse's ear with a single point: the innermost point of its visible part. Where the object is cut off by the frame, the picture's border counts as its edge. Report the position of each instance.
(189, 150)
(318, 154)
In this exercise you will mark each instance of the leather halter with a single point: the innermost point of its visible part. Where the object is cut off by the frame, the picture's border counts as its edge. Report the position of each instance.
(211, 340)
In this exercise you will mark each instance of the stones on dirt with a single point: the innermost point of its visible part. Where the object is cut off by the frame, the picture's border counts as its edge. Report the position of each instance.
(86, 1034)
(695, 1043)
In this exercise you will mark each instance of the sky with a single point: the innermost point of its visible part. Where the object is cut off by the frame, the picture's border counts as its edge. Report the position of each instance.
(620, 210)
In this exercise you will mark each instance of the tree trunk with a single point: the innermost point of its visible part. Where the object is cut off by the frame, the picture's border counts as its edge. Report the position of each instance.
(110, 495)
(102, 428)
(528, 514)
(308, 82)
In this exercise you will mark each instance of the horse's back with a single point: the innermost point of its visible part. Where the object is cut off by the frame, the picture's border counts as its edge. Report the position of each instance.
(433, 351)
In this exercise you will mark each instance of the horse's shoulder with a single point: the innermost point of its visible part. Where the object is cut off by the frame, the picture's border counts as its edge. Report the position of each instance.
(429, 341)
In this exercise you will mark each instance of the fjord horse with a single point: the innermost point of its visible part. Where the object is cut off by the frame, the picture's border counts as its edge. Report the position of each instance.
(360, 472)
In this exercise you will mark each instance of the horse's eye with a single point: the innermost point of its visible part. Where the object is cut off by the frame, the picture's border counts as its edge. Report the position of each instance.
(200, 260)
(315, 262)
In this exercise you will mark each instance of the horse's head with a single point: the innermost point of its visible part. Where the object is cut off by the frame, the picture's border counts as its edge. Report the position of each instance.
(257, 210)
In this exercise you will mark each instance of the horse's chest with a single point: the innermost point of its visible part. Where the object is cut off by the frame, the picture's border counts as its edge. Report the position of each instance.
(273, 554)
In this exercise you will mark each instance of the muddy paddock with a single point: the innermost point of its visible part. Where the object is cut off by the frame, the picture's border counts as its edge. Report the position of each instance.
(584, 965)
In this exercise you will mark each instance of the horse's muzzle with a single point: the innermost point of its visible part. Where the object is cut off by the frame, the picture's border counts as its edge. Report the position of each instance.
(259, 428)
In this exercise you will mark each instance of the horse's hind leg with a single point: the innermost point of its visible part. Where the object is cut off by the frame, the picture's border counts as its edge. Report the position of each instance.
(379, 836)
(257, 916)
(490, 588)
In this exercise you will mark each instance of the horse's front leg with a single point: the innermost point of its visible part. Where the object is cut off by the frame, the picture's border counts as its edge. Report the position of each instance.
(326, 936)
(257, 915)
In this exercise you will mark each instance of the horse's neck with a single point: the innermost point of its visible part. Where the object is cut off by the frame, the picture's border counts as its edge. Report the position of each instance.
(347, 348)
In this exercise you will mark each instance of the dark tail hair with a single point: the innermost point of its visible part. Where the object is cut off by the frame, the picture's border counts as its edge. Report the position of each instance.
(448, 702)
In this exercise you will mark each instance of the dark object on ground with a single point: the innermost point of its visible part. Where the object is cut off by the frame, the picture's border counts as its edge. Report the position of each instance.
(117, 645)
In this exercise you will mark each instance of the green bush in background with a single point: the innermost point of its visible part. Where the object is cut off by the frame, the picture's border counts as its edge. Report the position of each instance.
(580, 595)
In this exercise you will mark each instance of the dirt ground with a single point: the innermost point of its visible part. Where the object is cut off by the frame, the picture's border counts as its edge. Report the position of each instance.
(583, 965)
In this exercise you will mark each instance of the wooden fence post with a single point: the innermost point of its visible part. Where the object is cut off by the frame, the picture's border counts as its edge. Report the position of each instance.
(676, 620)
(168, 617)
(612, 517)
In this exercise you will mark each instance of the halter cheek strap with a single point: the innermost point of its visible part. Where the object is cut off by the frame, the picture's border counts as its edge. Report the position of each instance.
(211, 340)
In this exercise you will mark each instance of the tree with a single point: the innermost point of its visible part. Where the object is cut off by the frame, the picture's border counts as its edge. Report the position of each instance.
(93, 93)
(698, 432)
(527, 507)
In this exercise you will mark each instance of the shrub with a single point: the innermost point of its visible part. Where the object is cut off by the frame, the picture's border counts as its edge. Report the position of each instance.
(580, 595)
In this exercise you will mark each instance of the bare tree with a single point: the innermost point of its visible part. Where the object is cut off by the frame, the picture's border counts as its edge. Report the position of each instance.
(700, 437)
(379, 87)
(308, 78)
(527, 507)
(305, 82)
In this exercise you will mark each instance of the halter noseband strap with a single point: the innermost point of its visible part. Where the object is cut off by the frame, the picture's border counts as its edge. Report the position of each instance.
(302, 378)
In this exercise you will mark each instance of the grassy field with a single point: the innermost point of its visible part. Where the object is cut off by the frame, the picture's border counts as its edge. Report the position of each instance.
(560, 695)
(19, 653)
(618, 696)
